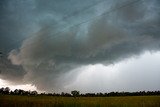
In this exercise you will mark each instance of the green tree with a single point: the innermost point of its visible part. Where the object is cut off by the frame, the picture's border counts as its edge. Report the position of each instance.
(75, 93)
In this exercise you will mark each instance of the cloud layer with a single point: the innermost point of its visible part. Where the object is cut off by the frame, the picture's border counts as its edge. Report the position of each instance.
(54, 51)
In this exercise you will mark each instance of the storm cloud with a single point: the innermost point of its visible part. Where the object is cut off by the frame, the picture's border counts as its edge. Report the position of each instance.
(56, 45)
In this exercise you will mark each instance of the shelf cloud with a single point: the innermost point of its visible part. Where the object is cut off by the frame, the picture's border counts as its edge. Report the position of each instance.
(57, 47)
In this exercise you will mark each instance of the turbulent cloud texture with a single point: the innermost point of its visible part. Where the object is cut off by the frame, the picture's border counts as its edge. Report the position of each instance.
(59, 43)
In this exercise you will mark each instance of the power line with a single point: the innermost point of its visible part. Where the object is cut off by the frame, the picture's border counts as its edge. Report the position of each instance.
(66, 17)
(89, 20)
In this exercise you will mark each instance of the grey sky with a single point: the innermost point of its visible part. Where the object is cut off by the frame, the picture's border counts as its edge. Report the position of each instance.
(45, 43)
(134, 74)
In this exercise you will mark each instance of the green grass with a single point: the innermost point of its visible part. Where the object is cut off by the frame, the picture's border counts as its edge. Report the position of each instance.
(49, 101)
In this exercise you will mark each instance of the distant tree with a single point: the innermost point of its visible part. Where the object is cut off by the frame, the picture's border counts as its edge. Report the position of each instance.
(12, 93)
(16, 91)
(21, 92)
(68, 95)
(49, 94)
(65, 94)
(90, 94)
(7, 90)
(26, 93)
(34, 93)
(62, 94)
(2, 90)
(75, 93)
(99, 94)
(45, 93)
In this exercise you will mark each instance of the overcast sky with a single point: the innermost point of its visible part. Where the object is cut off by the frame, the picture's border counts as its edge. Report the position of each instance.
(88, 45)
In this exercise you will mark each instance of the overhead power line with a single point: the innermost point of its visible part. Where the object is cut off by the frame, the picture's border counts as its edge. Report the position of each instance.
(89, 20)
(68, 16)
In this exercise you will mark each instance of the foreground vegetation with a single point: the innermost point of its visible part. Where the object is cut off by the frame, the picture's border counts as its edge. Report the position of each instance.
(21, 98)
(54, 101)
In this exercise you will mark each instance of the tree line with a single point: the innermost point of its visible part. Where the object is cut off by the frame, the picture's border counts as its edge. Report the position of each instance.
(76, 93)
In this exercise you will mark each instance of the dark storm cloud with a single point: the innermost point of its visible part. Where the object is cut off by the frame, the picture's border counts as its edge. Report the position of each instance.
(47, 56)
(11, 72)
(13, 23)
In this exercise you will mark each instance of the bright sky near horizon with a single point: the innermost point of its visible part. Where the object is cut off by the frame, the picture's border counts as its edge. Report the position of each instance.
(117, 77)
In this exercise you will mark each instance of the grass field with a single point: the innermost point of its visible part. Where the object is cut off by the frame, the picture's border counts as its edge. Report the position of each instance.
(49, 101)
